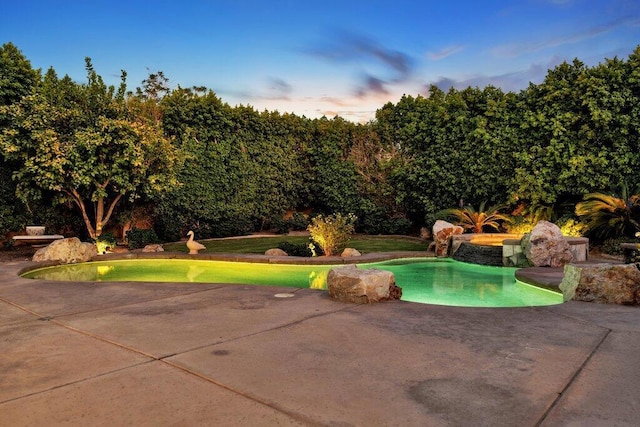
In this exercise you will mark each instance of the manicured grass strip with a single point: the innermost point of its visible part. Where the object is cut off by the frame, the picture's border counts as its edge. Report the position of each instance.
(258, 245)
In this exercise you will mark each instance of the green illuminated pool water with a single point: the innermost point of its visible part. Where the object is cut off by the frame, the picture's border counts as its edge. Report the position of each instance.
(432, 281)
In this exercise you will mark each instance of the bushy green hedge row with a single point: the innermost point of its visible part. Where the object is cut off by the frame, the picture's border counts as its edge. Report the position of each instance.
(575, 133)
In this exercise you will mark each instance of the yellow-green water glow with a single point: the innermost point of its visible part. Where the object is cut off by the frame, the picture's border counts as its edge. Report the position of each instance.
(431, 281)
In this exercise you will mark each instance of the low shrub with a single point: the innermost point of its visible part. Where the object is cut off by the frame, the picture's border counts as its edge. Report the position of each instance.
(612, 246)
(104, 242)
(232, 224)
(400, 226)
(572, 227)
(139, 238)
(331, 233)
(518, 225)
(299, 249)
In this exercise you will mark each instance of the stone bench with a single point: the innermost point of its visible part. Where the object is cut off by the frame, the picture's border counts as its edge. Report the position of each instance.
(38, 240)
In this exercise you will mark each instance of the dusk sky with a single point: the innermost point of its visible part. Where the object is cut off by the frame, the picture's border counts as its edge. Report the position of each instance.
(330, 58)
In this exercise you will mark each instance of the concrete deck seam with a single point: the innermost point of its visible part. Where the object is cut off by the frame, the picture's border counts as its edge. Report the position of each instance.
(573, 378)
(296, 416)
(31, 312)
(286, 325)
(580, 320)
(275, 328)
(103, 339)
(162, 359)
(75, 382)
(54, 320)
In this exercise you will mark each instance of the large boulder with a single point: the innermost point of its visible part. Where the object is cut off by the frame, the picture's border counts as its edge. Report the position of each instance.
(362, 286)
(66, 251)
(547, 247)
(442, 232)
(603, 283)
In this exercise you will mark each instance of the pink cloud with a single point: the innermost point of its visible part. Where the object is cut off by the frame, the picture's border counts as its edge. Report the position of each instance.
(443, 53)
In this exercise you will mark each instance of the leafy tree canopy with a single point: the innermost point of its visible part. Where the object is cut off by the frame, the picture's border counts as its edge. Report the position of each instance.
(17, 77)
(81, 141)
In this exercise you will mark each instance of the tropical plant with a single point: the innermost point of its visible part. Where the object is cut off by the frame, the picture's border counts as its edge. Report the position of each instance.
(332, 232)
(608, 215)
(476, 221)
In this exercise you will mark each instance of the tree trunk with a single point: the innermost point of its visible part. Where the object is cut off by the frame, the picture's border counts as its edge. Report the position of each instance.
(100, 218)
(83, 210)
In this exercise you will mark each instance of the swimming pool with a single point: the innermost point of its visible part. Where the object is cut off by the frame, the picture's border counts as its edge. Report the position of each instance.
(423, 280)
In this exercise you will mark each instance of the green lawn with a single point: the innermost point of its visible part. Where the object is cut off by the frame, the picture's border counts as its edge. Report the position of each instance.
(258, 245)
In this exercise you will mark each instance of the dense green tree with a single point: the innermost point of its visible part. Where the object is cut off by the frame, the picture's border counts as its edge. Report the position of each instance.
(244, 167)
(199, 126)
(579, 131)
(17, 77)
(79, 141)
(374, 163)
(275, 162)
(247, 169)
(458, 146)
(332, 177)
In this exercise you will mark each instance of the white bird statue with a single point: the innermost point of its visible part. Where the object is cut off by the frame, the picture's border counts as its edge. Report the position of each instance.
(194, 246)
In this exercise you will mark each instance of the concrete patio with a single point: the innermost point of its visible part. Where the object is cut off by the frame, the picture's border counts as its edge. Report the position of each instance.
(209, 354)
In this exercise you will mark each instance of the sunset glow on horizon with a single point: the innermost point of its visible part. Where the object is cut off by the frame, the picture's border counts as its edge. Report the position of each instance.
(334, 58)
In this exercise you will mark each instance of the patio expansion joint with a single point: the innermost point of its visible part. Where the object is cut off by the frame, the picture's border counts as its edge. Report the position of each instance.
(79, 381)
(550, 310)
(171, 364)
(165, 360)
(297, 416)
(59, 321)
(253, 334)
(294, 415)
(26, 310)
(573, 378)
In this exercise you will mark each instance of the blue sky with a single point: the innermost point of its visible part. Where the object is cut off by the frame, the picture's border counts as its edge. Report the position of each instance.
(328, 57)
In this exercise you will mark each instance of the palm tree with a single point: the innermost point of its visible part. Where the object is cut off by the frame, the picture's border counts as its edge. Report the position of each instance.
(607, 215)
(476, 221)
